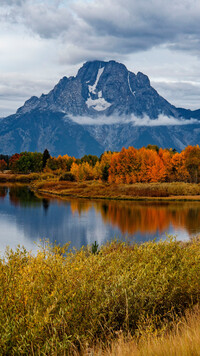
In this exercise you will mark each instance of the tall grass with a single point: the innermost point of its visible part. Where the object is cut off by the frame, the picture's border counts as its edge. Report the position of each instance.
(183, 340)
(60, 300)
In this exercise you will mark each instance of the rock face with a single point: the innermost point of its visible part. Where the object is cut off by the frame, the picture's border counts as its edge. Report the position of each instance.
(92, 112)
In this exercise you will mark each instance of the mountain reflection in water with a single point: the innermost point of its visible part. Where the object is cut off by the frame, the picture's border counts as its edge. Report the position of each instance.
(26, 217)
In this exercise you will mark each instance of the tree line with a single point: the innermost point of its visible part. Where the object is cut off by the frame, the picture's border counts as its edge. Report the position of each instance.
(131, 165)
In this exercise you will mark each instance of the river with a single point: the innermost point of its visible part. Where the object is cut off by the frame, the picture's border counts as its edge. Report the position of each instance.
(26, 218)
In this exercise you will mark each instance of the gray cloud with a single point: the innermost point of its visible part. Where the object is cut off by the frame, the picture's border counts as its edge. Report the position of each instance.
(181, 94)
(112, 25)
(146, 23)
(48, 19)
(162, 120)
(45, 37)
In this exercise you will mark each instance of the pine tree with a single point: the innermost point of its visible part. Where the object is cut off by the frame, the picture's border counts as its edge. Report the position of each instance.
(45, 157)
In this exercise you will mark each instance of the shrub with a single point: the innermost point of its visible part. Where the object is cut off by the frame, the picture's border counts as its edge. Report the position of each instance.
(57, 299)
(67, 177)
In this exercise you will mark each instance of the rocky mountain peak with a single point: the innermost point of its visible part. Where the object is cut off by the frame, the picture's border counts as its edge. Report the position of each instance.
(102, 88)
(95, 111)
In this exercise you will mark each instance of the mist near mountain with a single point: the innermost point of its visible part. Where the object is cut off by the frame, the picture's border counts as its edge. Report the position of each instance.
(161, 120)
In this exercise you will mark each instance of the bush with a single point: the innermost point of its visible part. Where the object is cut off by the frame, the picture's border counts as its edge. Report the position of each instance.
(57, 299)
(67, 177)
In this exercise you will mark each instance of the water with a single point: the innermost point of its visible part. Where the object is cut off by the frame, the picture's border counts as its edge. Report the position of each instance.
(26, 218)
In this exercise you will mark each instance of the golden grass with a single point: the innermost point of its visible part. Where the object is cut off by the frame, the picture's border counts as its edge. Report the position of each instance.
(184, 340)
(24, 178)
(138, 191)
(58, 301)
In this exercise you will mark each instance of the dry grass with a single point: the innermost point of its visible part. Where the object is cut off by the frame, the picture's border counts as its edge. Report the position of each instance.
(23, 178)
(183, 340)
(94, 189)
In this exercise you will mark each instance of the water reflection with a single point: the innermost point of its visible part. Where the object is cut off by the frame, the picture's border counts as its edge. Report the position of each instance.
(25, 218)
(23, 196)
(145, 217)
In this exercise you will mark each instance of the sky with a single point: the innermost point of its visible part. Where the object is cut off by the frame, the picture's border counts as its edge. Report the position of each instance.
(43, 40)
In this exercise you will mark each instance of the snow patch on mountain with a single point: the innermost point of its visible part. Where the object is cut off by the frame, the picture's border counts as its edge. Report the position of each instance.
(99, 104)
(132, 92)
(92, 88)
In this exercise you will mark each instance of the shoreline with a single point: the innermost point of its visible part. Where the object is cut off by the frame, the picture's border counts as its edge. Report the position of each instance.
(120, 192)
(72, 196)
(46, 184)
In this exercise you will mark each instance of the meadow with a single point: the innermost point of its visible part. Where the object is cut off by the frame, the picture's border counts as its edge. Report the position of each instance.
(103, 190)
(95, 301)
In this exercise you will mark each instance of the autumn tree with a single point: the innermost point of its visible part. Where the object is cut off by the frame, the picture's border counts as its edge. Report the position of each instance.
(82, 171)
(179, 172)
(192, 161)
(101, 169)
(3, 165)
(13, 161)
(125, 166)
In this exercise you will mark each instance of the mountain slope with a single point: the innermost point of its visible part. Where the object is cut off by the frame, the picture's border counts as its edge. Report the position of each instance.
(104, 107)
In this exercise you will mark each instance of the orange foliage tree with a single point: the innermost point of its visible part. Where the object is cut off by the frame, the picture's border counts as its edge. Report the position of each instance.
(3, 165)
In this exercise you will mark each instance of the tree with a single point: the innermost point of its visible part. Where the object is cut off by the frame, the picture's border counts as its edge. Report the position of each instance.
(45, 157)
(3, 165)
(13, 162)
(192, 155)
(92, 160)
(26, 162)
(152, 147)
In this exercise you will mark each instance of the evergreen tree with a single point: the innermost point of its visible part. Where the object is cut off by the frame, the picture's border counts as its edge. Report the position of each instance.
(45, 157)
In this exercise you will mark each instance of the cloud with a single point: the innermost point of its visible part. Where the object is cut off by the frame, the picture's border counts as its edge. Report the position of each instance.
(48, 19)
(48, 36)
(143, 24)
(111, 25)
(162, 120)
(180, 93)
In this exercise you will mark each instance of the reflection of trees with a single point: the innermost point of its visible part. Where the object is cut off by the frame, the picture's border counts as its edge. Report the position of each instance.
(3, 192)
(80, 206)
(45, 203)
(132, 217)
(22, 195)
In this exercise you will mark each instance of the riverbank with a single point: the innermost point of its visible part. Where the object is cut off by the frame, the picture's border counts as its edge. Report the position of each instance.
(138, 191)
(59, 302)
(49, 184)
(19, 178)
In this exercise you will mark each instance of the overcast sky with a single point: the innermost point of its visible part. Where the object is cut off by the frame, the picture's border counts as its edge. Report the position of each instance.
(43, 40)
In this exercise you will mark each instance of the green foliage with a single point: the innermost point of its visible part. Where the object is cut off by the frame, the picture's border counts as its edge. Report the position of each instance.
(92, 160)
(105, 172)
(153, 147)
(28, 162)
(95, 248)
(67, 177)
(57, 299)
(69, 162)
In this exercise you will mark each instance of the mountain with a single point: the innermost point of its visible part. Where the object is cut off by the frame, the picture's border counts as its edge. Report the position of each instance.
(103, 107)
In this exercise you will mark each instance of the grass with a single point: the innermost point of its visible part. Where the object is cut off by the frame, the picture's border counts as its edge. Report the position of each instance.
(183, 340)
(50, 184)
(138, 191)
(23, 178)
(60, 302)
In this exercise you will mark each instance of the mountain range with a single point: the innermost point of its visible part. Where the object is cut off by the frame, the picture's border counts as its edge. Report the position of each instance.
(104, 107)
